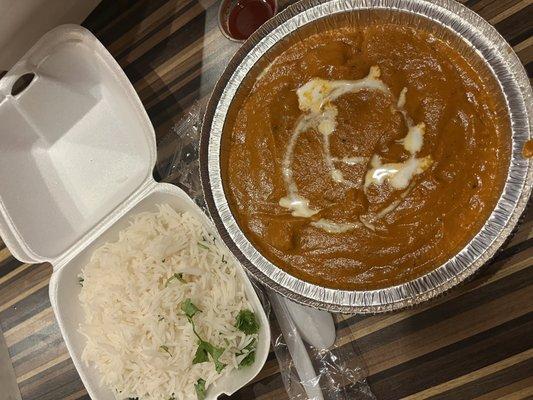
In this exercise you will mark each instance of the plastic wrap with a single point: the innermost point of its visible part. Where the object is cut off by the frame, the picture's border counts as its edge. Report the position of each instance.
(337, 377)
(183, 167)
(335, 373)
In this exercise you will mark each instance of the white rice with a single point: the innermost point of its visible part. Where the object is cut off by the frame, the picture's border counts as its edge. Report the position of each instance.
(131, 311)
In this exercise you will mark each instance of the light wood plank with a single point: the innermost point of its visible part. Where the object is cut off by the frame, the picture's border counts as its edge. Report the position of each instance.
(472, 376)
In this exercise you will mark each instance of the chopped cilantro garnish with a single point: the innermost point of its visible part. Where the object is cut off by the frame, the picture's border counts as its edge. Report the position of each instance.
(216, 353)
(202, 353)
(224, 261)
(247, 323)
(178, 276)
(80, 280)
(219, 366)
(189, 308)
(165, 348)
(204, 348)
(160, 318)
(199, 387)
(249, 350)
(248, 360)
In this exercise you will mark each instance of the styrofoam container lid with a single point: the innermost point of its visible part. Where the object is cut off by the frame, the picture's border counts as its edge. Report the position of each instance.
(77, 151)
(75, 144)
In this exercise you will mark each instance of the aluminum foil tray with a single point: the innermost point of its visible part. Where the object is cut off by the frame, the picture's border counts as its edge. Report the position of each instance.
(447, 19)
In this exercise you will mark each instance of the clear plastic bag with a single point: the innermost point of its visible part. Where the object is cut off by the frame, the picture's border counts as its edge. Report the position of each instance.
(183, 167)
(334, 373)
(340, 376)
(337, 373)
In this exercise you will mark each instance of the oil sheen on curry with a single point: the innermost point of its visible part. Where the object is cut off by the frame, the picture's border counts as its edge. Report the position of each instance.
(362, 158)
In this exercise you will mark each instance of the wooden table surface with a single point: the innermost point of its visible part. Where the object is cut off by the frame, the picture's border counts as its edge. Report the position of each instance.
(475, 342)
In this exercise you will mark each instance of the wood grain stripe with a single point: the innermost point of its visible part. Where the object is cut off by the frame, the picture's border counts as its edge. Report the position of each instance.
(9, 265)
(453, 360)
(26, 328)
(509, 10)
(112, 19)
(4, 254)
(490, 9)
(23, 279)
(472, 376)
(517, 390)
(24, 309)
(525, 393)
(16, 271)
(146, 27)
(62, 357)
(514, 29)
(445, 332)
(77, 395)
(38, 354)
(173, 67)
(59, 381)
(46, 340)
(488, 383)
(164, 35)
(8, 385)
(23, 295)
(363, 327)
(524, 50)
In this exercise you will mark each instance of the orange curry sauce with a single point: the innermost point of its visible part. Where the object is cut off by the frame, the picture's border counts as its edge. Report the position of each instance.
(414, 163)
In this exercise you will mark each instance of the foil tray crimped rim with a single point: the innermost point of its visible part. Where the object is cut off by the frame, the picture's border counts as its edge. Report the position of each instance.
(514, 83)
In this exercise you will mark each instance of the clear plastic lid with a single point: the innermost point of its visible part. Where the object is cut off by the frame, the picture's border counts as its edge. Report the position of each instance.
(75, 143)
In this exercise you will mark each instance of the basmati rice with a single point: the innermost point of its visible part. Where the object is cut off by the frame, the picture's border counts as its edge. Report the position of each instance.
(137, 336)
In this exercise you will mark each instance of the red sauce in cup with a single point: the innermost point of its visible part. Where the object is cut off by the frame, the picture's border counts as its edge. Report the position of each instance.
(248, 15)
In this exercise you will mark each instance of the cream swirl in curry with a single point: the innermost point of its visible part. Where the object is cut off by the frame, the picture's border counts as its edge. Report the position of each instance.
(365, 157)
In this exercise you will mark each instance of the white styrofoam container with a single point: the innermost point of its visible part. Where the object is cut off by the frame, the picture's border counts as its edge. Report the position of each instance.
(77, 151)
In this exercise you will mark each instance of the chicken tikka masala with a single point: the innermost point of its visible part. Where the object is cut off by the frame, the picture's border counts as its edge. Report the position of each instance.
(364, 157)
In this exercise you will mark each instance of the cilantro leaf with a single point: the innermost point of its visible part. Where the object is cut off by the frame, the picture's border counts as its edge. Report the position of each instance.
(189, 308)
(199, 387)
(165, 348)
(247, 323)
(249, 350)
(202, 353)
(178, 276)
(219, 366)
(216, 352)
(80, 280)
(248, 360)
(204, 350)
